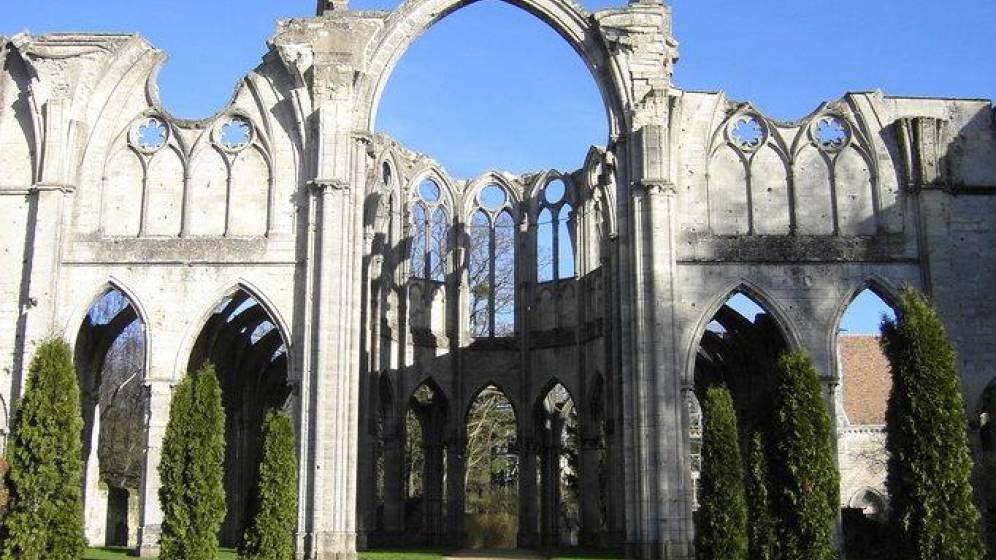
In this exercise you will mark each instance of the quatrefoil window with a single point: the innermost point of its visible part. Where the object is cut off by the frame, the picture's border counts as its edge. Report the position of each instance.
(831, 133)
(747, 132)
(235, 134)
(151, 134)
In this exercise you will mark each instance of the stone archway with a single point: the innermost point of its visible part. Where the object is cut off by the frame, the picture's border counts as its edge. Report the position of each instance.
(244, 341)
(414, 17)
(110, 355)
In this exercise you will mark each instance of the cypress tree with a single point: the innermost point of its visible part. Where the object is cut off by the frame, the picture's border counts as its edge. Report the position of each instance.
(172, 472)
(722, 527)
(271, 536)
(45, 516)
(192, 469)
(933, 513)
(761, 539)
(806, 485)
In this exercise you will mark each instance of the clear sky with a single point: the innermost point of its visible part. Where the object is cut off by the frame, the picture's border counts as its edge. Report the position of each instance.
(492, 87)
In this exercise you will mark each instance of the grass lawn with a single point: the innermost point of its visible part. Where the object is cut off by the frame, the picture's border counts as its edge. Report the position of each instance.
(401, 555)
(581, 554)
(120, 554)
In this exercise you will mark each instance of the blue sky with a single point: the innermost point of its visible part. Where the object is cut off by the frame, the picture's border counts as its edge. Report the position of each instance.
(492, 87)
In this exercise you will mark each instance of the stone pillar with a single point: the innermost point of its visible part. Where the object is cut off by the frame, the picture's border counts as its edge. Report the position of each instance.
(615, 494)
(528, 518)
(94, 501)
(455, 498)
(151, 516)
(39, 276)
(590, 492)
(432, 477)
(550, 511)
(659, 516)
(394, 486)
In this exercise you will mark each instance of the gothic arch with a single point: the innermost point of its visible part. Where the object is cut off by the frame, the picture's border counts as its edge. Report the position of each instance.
(786, 326)
(112, 283)
(514, 203)
(195, 327)
(437, 392)
(879, 286)
(549, 385)
(468, 403)
(409, 21)
(447, 191)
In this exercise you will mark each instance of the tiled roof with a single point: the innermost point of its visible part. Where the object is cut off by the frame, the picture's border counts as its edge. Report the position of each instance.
(865, 379)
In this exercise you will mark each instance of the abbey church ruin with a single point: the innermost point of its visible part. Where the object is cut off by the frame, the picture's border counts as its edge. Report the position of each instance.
(328, 270)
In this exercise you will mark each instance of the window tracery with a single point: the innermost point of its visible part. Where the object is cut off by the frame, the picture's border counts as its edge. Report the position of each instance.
(831, 133)
(430, 229)
(554, 235)
(491, 272)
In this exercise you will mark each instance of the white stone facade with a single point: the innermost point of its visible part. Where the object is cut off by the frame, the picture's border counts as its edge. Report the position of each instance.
(283, 196)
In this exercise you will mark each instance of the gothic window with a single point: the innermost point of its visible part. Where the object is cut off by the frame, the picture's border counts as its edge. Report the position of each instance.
(492, 265)
(430, 228)
(554, 235)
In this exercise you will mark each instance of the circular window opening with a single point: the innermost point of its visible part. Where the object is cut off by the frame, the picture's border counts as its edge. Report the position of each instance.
(236, 133)
(831, 133)
(429, 191)
(747, 132)
(151, 134)
(493, 197)
(555, 191)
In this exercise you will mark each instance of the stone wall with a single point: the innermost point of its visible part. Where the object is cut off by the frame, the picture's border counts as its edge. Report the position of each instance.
(284, 195)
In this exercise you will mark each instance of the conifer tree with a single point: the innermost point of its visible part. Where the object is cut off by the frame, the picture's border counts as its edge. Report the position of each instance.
(933, 513)
(271, 536)
(192, 469)
(172, 472)
(45, 516)
(806, 485)
(722, 527)
(761, 539)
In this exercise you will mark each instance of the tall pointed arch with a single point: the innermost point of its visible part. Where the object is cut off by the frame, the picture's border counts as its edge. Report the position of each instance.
(110, 352)
(491, 460)
(739, 348)
(249, 350)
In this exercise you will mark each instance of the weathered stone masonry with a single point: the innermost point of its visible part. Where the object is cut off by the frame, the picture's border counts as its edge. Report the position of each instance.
(287, 198)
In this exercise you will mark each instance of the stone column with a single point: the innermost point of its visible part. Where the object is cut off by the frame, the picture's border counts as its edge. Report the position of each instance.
(659, 520)
(94, 501)
(590, 492)
(432, 474)
(394, 486)
(432, 489)
(615, 507)
(39, 276)
(550, 535)
(528, 519)
(158, 398)
(455, 449)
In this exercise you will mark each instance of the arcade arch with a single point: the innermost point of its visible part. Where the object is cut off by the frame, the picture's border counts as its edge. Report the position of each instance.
(242, 340)
(110, 357)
